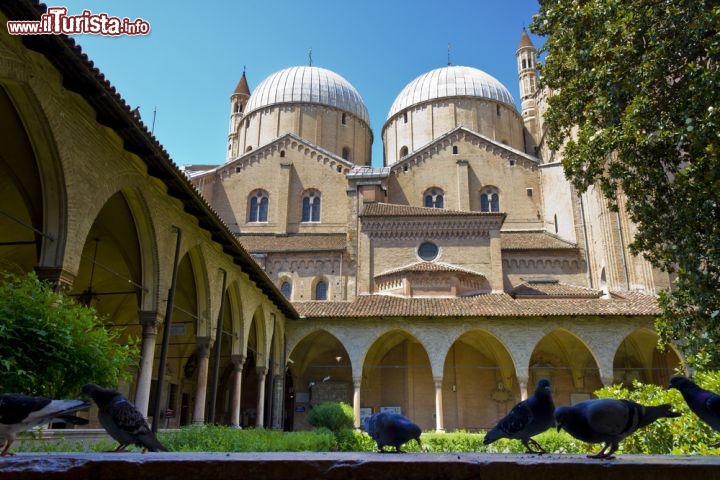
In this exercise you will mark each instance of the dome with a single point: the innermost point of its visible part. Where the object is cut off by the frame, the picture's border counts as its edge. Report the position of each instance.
(451, 81)
(308, 85)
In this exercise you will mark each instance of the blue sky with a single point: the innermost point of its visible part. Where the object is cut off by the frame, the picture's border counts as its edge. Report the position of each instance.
(189, 64)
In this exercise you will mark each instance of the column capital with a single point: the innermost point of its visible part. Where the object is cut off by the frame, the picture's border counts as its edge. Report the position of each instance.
(238, 361)
(203, 347)
(62, 278)
(261, 370)
(149, 319)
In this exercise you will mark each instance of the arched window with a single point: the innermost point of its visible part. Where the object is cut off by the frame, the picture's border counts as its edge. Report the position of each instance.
(490, 200)
(321, 288)
(346, 153)
(282, 153)
(311, 206)
(403, 151)
(433, 198)
(286, 289)
(404, 117)
(455, 150)
(258, 210)
(344, 118)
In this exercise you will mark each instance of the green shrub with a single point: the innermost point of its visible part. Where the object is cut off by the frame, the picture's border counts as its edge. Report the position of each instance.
(213, 438)
(331, 415)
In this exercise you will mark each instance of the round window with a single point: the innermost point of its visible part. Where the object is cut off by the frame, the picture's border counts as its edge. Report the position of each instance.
(428, 251)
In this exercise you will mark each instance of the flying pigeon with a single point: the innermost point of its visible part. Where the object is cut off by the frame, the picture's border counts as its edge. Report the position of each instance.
(391, 429)
(20, 412)
(705, 404)
(608, 420)
(121, 420)
(528, 418)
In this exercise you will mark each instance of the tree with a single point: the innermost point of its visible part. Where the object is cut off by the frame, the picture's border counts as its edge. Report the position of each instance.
(635, 106)
(50, 345)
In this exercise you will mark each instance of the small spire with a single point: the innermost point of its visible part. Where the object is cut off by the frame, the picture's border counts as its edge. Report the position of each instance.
(449, 61)
(310, 56)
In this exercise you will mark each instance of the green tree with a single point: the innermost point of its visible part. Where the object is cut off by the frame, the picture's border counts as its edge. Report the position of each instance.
(636, 109)
(50, 345)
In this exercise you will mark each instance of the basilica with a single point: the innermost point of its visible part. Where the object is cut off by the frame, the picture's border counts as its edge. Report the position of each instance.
(442, 284)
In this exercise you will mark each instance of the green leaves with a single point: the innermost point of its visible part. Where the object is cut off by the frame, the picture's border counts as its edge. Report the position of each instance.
(636, 92)
(51, 346)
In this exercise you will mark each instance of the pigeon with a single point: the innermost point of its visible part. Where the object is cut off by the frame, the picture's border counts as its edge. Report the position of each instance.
(704, 403)
(391, 429)
(608, 420)
(121, 420)
(21, 412)
(528, 418)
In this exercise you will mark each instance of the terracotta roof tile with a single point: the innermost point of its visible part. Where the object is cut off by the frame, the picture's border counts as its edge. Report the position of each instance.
(491, 305)
(292, 243)
(552, 289)
(390, 209)
(533, 240)
(419, 267)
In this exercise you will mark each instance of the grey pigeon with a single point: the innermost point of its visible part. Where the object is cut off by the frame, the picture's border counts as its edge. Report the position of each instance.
(608, 420)
(121, 420)
(391, 429)
(21, 412)
(528, 418)
(704, 403)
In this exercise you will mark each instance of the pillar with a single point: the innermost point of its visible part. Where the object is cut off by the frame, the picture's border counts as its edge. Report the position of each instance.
(236, 396)
(278, 404)
(149, 321)
(356, 401)
(439, 423)
(463, 188)
(523, 384)
(260, 419)
(203, 352)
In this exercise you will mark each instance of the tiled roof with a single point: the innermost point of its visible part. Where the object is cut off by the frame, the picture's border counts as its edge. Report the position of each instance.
(490, 305)
(554, 289)
(533, 240)
(419, 267)
(293, 243)
(390, 209)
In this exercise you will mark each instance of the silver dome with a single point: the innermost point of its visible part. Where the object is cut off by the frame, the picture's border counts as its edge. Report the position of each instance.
(308, 85)
(451, 81)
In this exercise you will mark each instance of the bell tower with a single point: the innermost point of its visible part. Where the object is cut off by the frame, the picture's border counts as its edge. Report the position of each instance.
(527, 74)
(238, 101)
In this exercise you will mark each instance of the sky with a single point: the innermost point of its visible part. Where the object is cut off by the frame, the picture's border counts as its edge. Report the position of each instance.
(181, 74)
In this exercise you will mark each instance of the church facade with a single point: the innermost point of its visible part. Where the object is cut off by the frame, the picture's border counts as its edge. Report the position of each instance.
(445, 283)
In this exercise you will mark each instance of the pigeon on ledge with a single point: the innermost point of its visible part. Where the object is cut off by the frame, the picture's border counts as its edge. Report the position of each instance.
(391, 429)
(608, 420)
(528, 418)
(121, 420)
(21, 412)
(704, 403)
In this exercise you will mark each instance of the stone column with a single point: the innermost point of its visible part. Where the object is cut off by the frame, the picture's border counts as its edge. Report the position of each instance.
(260, 419)
(149, 321)
(236, 397)
(356, 400)
(523, 384)
(278, 402)
(463, 189)
(203, 352)
(439, 422)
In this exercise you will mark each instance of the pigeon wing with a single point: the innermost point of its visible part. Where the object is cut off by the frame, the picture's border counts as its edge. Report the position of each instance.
(713, 404)
(15, 408)
(128, 419)
(608, 417)
(517, 420)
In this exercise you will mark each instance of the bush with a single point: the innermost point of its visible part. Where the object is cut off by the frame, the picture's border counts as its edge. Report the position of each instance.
(50, 345)
(333, 416)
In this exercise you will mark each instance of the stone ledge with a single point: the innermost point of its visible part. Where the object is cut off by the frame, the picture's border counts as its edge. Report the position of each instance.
(375, 466)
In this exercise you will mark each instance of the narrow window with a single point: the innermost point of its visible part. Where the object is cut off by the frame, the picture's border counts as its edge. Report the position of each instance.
(286, 289)
(344, 118)
(321, 290)
(258, 210)
(529, 192)
(282, 153)
(346, 153)
(455, 150)
(434, 198)
(490, 200)
(311, 206)
(497, 109)
(404, 117)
